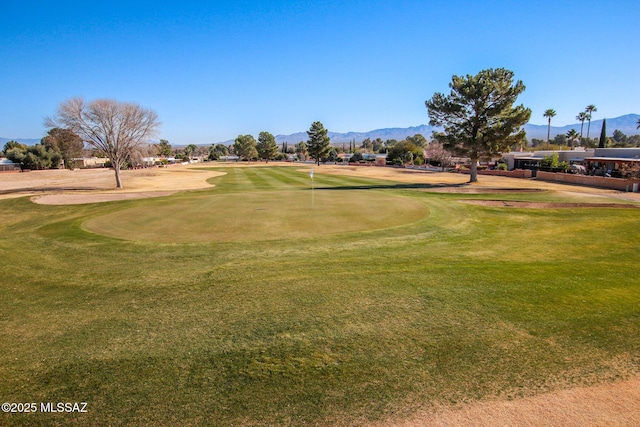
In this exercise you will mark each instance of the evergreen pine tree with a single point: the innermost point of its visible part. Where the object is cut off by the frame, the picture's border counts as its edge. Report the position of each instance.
(319, 143)
(603, 135)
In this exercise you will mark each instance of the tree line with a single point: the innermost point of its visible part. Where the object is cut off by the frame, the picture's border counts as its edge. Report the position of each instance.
(478, 117)
(413, 150)
(57, 149)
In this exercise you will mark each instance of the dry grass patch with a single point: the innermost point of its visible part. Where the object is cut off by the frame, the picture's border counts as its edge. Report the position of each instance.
(86, 183)
(544, 205)
(459, 183)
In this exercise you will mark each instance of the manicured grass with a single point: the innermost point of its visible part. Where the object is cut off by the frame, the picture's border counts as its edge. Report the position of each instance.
(338, 326)
(264, 215)
(253, 204)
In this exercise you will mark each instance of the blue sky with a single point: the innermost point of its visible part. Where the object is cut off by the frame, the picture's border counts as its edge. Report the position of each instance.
(213, 70)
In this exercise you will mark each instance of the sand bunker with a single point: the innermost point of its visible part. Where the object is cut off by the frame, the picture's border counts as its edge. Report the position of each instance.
(78, 199)
(614, 404)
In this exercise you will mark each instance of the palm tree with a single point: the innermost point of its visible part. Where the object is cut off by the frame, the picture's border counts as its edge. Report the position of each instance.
(549, 113)
(589, 110)
(581, 118)
(572, 135)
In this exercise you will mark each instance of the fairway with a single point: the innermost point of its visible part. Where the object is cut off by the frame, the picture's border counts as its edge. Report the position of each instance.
(251, 303)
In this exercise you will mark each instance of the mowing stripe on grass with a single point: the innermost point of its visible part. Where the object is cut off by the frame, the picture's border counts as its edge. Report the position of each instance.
(289, 179)
(258, 216)
(292, 178)
(260, 178)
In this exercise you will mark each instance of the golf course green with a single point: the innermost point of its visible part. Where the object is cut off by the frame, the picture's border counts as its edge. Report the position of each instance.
(266, 215)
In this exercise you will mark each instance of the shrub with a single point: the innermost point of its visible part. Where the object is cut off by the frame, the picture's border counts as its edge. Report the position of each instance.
(356, 157)
(564, 167)
(407, 151)
(550, 161)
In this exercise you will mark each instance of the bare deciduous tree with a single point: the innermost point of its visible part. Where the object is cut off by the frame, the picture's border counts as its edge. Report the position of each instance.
(118, 129)
(436, 151)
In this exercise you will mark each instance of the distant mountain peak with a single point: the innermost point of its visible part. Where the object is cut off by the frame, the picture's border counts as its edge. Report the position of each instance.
(627, 124)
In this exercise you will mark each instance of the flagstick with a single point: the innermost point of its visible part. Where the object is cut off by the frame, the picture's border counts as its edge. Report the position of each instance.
(312, 189)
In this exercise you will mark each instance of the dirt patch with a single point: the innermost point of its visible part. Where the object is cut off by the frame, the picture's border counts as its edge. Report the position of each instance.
(482, 190)
(614, 404)
(545, 205)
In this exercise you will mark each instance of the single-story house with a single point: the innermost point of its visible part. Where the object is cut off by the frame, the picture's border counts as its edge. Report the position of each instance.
(531, 160)
(7, 165)
(609, 161)
(89, 162)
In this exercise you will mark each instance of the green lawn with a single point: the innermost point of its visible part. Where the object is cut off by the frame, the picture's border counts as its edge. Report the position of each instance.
(243, 305)
(281, 215)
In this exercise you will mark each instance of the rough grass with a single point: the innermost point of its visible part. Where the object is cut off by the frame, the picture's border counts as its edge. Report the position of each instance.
(466, 304)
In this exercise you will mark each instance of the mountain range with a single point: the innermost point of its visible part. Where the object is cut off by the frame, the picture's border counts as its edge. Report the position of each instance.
(627, 124)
